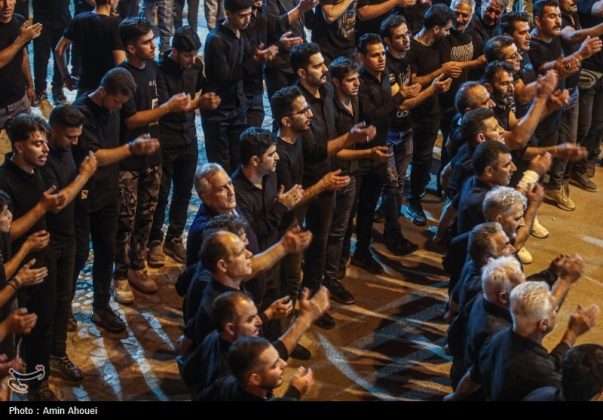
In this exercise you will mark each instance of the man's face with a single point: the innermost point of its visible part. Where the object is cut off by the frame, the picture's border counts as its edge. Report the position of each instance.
(301, 117)
(550, 22)
(568, 6)
(502, 173)
(7, 8)
(491, 12)
(221, 195)
(35, 149)
(374, 59)
(6, 218)
(512, 221)
(240, 19)
(481, 97)
(269, 161)
(503, 89)
(349, 84)
(462, 16)
(442, 31)
(315, 73)
(512, 56)
(144, 47)
(238, 263)
(64, 138)
(271, 368)
(185, 59)
(492, 130)
(248, 324)
(400, 39)
(501, 245)
(115, 101)
(521, 35)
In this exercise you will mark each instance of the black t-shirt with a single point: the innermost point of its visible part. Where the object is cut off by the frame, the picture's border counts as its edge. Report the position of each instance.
(527, 75)
(59, 171)
(337, 38)
(423, 60)
(12, 79)
(588, 21)
(55, 12)
(289, 170)
(145, 98)
(101, 131)
(96, 37)
(344, 121)
(458, 46)
(400, 72)
(569, 48)
(370, 25)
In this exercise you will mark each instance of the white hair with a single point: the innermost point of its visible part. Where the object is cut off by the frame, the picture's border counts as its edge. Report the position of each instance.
(470, 3)
(502, 3)
(202, 184)
(500, 201)
(497, 274)
(531, 302)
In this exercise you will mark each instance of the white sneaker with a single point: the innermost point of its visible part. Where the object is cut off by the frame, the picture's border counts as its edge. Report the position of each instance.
(538, 230)
(524, 256)
(122, 291)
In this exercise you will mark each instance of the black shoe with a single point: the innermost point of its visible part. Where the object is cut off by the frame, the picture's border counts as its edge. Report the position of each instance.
(400, 246)
(300, 353)
(41, 393)
(174, 248)
(38, 99)
(415, 212)
(108, 319)
(365, 260)
(64, 367)
(339, 293)
(71, 323)
(58, 96)
(326, 322)
(582, 181)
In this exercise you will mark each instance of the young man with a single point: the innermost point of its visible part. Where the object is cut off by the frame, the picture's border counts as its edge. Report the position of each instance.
(180, 70)
(334, 29)
(165, 25)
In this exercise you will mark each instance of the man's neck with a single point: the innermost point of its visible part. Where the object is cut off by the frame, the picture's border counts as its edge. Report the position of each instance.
(252, 175)
(395, 53)
(257, 391)
(21, 163)
(425, 37)
(534, 335)
(228, 281)
(104, 10)
(375, 74)
(288, 136)
(538, 34)
(312, 90)
(135, 62)
(233, 28)
(97, 97)
(344, 98)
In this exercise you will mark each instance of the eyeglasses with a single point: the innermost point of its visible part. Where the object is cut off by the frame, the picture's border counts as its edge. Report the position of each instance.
(307, 111)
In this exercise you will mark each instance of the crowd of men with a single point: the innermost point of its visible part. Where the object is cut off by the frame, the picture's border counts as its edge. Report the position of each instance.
(516, 90)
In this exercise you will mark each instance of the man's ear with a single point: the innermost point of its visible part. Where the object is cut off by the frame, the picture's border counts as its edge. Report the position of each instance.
(488, 87)
(301, 74)
(480, 138)
(543, 325)
(221, 266)
(255, 379)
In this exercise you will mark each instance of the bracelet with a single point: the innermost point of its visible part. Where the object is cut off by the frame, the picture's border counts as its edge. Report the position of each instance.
(14, 283)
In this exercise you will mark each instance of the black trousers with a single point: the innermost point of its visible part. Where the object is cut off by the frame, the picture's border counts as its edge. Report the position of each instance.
(61, 257)
(178, 169)
(43, 46)
(425, 133)
(127, 8)
(99, 227)
(222, 141)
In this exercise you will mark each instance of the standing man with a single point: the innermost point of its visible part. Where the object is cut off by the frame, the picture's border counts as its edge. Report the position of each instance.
(165, 24)
(334, 29)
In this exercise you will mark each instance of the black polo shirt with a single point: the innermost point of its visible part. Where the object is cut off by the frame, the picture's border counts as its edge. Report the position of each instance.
(400, 72)
(510, 366)
(469, 284)
(289, 172)
(101, 131)
(423, 60)
(12, 79)
(480, 33)
(468, 204)
(25, 191)
(344, 121)
(260, 206)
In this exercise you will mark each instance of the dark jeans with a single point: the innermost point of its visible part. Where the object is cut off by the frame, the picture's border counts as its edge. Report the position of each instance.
(222, 140)
(425, 133)
(318, 221)
(254, 110)
(344, 203)
(590, 123)
(42, 48)
(401, 145)
(61, 256)
(101, 227)
(568, 131)
(192, 14)
(127, 8)
(178, 167)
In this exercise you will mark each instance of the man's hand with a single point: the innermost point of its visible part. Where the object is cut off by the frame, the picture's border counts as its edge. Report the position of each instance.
(27, 276)
(280, 308)
(71, 82)
(20, 322)
(31, 93)
(288, 40)
(180, 102)
(296, 240)
(6, 365)
(589, 47)
(570, 269)
(209, 101)
(305, 5)
(547, 84)
(583, 319)
(380, 153)
(440, 84)
(535, 195)
(52, 200)
(558, 99)
(315, 307)
(89, 166)
(410, 91)
(144, 145)
(265, 55)
(541, 163)
(37, 241)
(302, 380)
(452, 69)
(334, 181)
(360, 133)
(566, 66)
(29, 32)
(291, 198)
(570, 151)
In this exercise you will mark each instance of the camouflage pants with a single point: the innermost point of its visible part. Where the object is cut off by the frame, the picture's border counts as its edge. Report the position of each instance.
(138, 192)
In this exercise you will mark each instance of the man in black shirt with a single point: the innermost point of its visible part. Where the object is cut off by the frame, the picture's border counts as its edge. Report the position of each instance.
(96, 207)
(165, 25)
(334, 29)
(180, 70)
(482, 27)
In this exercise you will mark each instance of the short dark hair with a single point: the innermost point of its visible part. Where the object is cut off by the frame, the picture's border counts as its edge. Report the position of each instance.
(300, 55)
(390, 23)
(437, 15)
(66, 116)
(472, 122)
(539, 6)
(234, 6)
(224, 309)
(228, 222)
(243, 356)
(282, 102)
(507, 21)
(132, 28)
(493, 68)
(480, 242)
(341, 67)
(366, 40)
(582, 372)
(213, 249)
(119, 81)
(495, 45)
(254, 142)
(22, 126)
(186, 39)
(462, 100)
(486, 154)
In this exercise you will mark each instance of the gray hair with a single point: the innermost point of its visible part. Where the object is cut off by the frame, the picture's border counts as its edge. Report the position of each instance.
(502, 3)
(500, 200)
(496, 276)
(202, 184)
(470, 3)
(530, 302)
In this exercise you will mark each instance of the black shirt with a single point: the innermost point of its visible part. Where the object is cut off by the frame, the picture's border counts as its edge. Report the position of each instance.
(400, 72)
(54, 13)
(339, 37)
(344, 121)
(462, 168)
(95, 37)
(510, 366)
(480, 33)
(469, 284)
(60, 171)
(370, 25)
(145, 98)
(588, 21)
(101, 131)
(178, 128)
(468, 204)
(228, 389)
(458, 46)
(527, 74)
(423, 60)
(278, 24)
(12, 79)
(257, 34)
(569, 48)
(290, 171)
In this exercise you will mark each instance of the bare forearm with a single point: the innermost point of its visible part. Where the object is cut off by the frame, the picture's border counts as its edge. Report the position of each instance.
(410, 103)
(27, 69)
(106, 157)
(519, 135)
(525, 93)
(354, 154)
(7, 54)
(291, 337)
(61, 55)
(338, 143)
(142, 118)
(12, 265)
(333, 11)
(376, 10)
(523, 232)
(426, 79)
(119, 56)
(263, 261)
(73, 189)
(311, 192)
(25, 222)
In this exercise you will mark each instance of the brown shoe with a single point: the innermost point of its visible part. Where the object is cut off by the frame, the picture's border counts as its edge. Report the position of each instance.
(141, 280)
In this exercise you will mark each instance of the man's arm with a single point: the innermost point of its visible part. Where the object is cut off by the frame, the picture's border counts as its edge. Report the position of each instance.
(371, 11)
(50, 201)
(26, 68)
(140, 146)
(333, 11)
(27, 34)
(61, 59)
(177, 103)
